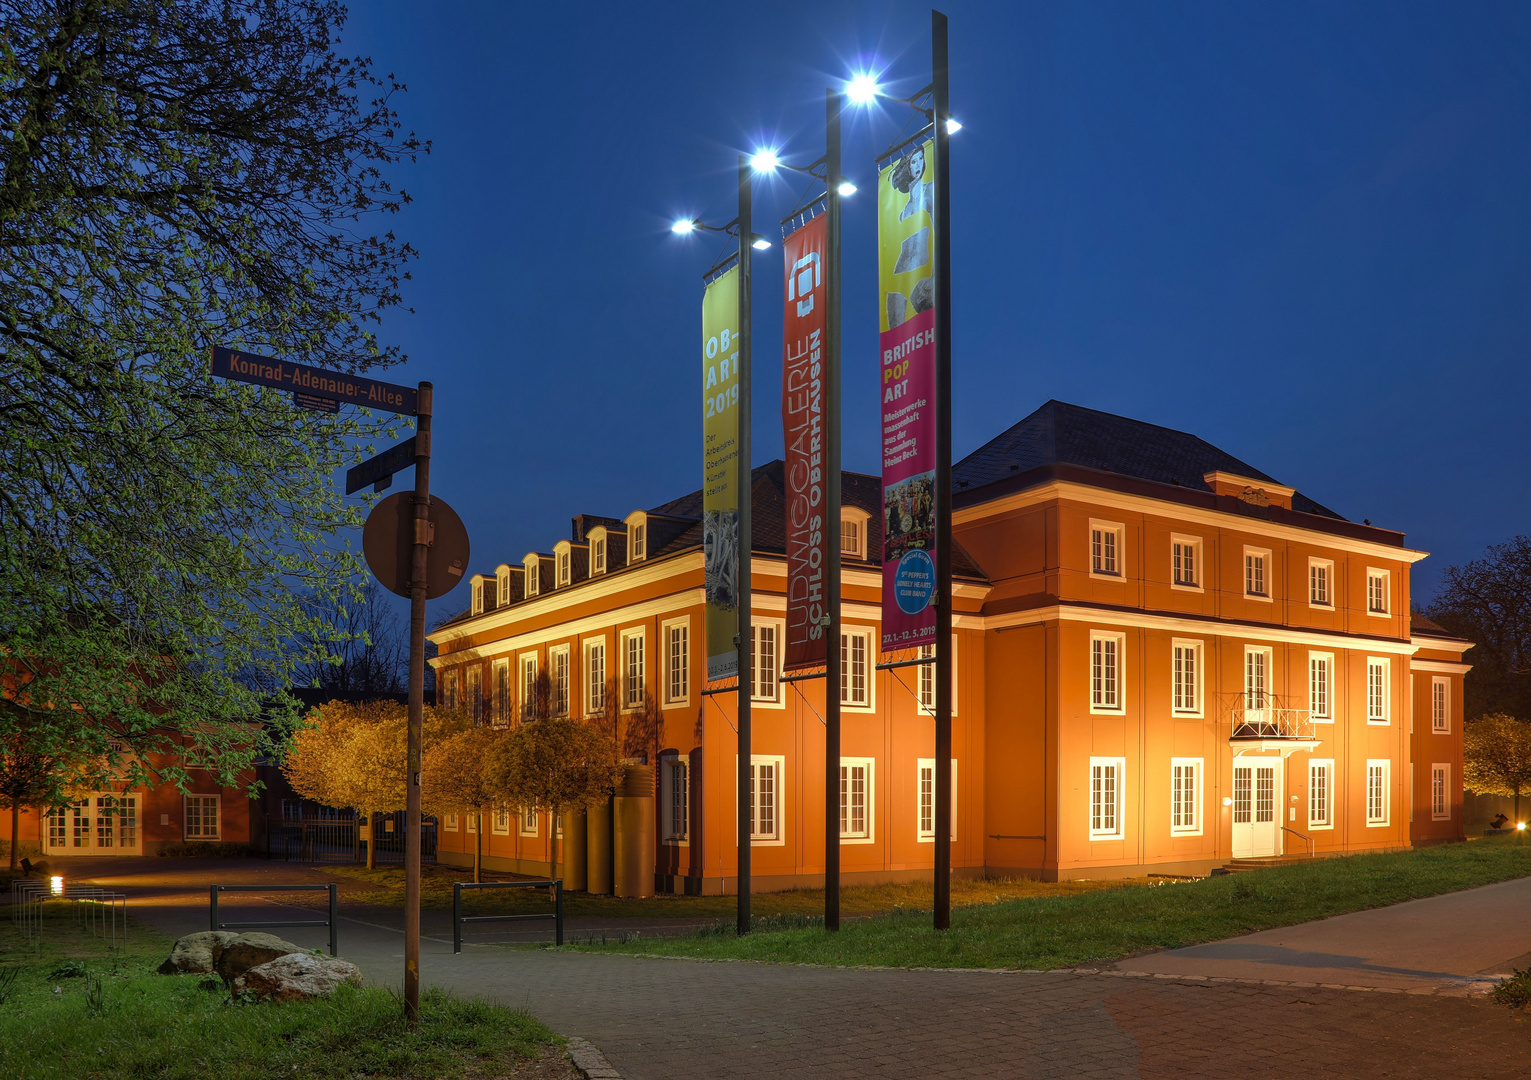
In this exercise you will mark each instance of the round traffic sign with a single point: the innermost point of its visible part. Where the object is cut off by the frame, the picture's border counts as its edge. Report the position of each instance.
(388, 540)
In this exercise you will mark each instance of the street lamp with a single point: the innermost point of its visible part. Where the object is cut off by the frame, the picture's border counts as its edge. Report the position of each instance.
(862, 89)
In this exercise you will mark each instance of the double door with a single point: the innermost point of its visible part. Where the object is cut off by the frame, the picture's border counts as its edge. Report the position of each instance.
(1256, 803)
(104, 824)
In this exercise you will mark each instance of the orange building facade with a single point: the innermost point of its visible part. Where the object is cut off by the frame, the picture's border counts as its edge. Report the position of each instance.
(1164, 660)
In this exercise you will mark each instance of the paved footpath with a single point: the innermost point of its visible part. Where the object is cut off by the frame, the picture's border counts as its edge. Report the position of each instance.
(657, 1019)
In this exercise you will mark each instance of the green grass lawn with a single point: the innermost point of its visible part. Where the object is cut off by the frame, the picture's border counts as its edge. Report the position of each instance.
(1050, 931)
(436, 895)
(122, 1020)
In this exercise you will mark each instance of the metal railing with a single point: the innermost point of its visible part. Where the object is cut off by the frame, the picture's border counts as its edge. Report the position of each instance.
(332, 922)
(458, 918)
(99, 910)
(1301, 836)
(1271, 722)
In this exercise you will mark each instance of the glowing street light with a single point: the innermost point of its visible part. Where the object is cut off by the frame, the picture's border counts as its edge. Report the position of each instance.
(862, 89)
(683, 226)
(952, 127)
(760, 243)
(765, 161)
(846, 189)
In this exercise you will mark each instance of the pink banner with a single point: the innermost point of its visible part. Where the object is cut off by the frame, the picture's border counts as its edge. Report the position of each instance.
(908, 483)
(805, 255)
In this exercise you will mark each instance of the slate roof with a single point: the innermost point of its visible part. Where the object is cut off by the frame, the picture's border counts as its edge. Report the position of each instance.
(1060, 433)
(1418, 624)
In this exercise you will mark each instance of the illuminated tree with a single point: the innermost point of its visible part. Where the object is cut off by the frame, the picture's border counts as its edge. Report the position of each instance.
(1496, 757)
(455, 780)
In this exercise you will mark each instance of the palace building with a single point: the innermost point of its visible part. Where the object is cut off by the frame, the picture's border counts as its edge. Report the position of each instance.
(1164, 660)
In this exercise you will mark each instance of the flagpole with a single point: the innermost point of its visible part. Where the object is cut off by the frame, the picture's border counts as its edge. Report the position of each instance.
(744, 548)
(943, 503)
(833, 106)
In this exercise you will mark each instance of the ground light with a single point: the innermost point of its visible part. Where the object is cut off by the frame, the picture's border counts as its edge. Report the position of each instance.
(56, 883)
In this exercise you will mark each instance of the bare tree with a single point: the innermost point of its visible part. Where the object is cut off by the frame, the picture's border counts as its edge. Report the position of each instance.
(362, 648)
(1488, 601)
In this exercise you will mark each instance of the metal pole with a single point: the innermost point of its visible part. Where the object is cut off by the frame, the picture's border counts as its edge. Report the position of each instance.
(457, 916)
(212, 907)
(833, 103)
(334, 921)
(558, 910)
(417, 586)
(745, 545)
(943, 298)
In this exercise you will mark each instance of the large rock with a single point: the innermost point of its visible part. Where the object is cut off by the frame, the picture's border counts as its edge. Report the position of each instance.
(298, 975)
(197, 954)
(251, 950)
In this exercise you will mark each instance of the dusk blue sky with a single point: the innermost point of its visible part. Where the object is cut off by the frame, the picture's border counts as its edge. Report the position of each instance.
(1300, 231)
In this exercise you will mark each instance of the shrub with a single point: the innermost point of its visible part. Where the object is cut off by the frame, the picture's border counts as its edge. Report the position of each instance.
(1515, 991)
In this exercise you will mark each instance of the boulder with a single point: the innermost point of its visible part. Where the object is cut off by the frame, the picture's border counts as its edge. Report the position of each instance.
(251, 950)
(296, 976)
(197, 954)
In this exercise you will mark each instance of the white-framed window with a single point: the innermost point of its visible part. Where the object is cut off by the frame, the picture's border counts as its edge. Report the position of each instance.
(1106, 797)
(856, 668)
(638, 550)
(499, 823)
(449, 822)
(853, 533)
(470, 823)
(1106, 548)
(1257, 677)
(677, 646)
(766, 788)
(201, 817)
(533, 576)
(595, 675)
(765, 660)
(528, 687)
(1185, 796)
(674, 797)
(1185, 562)
(502, 583)
(1377, 689)
(1106, 671)
(500, 713)
(1185, 678)
(473, 688)
(1320, 793)
(598, 555)
(477, 600)
(632, 669)
(1440, 705)
(558, 680)
(1257, 581)
(925, 785)
(1320, 583)
(926, 676)
(529, 821)
(857, 776)
(1440, 792)
(564, 562)
(1378, 791)
(1321, 687)
(1378, 591)
(449, 695)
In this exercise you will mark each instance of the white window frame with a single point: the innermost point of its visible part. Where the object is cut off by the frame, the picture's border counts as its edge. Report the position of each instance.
(845, 676)
(1325, 714)
(598, 555)
(502, 589)
(868, 833)
(500, 702)
(202, 802)
(448, 822)
(526, 682)
(499, 821)
(675, 779)
(633, 690)
(1179, 649)
(1193, 544)
(1267, 578)
(1187, 806)
(852, 518)
(1327, 566)
(594, 675)
(564, 561)
(779, 764)
(1112, 770)
(533, 576)
(677, 676)
(1440, 705)
(1440, 791)
(476, 602)
(1376, 767)
(560, 680)
(1379, 706)
(925, 800)
(777, 633)
(638, 542)
(473, 690)
(449, 688)
(1267, 671)
(925, 678)
(470, 824)
(1100, 702)
(1384, 591)
(1103, 553)
(529, 817)
(1326, 767)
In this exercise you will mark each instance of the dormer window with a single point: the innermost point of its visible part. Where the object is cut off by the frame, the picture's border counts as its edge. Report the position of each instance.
(598, 555)
(533, 577)
(853, 532)
(478, 596)
(639, 546)
(503, 581)
(563, 568)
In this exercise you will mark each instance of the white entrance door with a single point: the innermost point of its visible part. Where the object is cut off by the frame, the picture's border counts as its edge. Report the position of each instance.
(1255, 798)
(96, 825)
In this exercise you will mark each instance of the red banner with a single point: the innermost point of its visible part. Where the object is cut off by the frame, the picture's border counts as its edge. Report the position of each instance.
(805, 254)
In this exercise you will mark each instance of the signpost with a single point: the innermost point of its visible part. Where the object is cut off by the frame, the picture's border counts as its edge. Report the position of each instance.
(405, 540)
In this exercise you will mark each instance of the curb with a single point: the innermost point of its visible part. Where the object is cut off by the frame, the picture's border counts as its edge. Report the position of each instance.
(590, 1062)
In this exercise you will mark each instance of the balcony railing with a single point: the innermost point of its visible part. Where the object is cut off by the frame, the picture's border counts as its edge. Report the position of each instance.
(1272, 722)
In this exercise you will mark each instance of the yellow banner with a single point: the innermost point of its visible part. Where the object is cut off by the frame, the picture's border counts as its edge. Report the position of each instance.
(720, 463)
